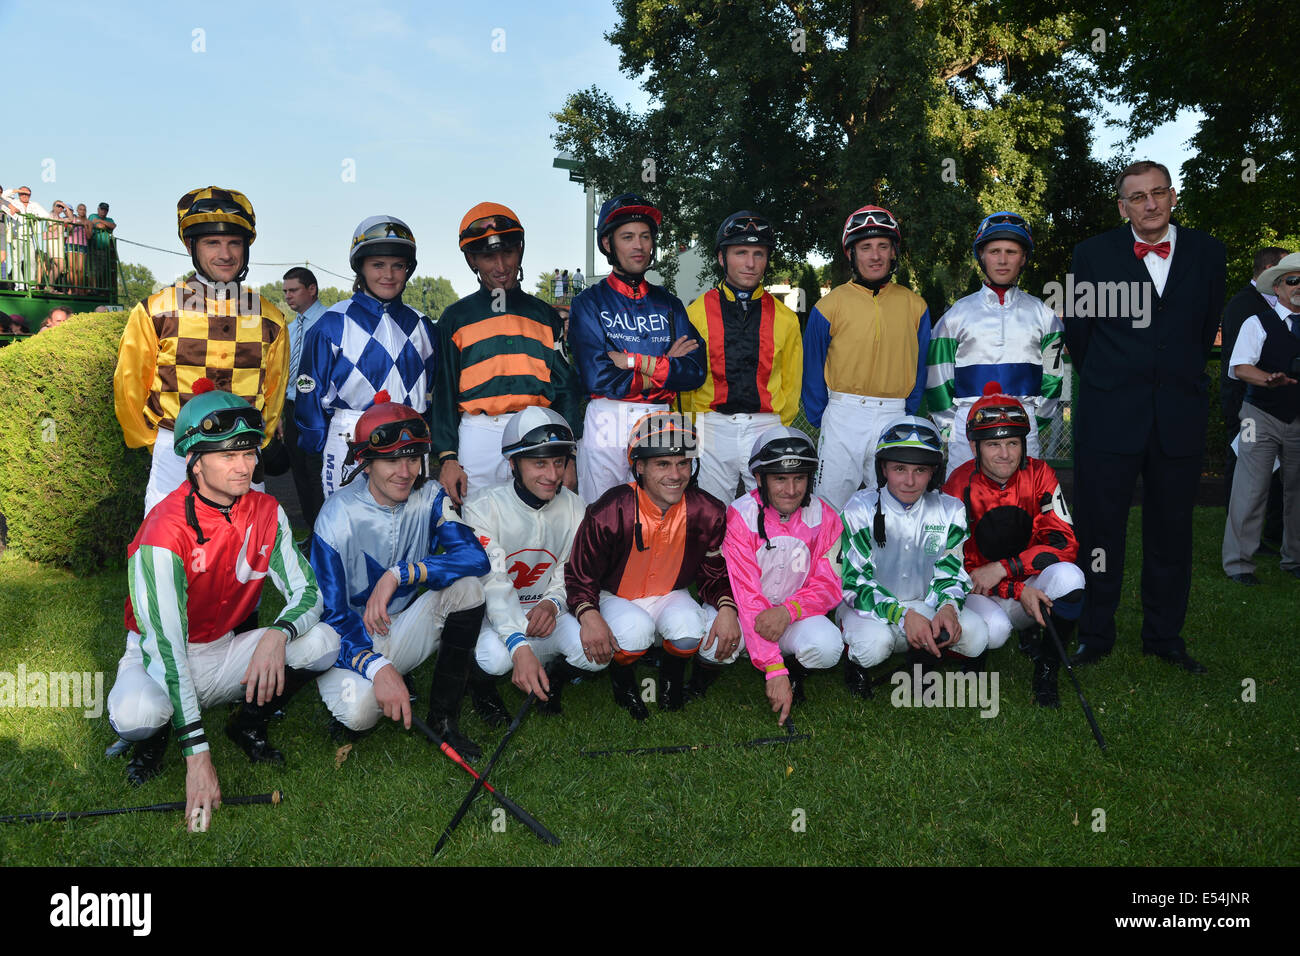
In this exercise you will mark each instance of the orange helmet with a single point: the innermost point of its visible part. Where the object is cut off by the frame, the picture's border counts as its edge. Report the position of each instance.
(490, 226)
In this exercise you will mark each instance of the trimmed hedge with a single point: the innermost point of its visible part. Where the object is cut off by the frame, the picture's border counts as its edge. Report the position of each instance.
(71, 492)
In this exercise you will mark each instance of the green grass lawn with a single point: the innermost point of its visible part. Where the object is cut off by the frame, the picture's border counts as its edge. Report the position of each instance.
(1194, 775)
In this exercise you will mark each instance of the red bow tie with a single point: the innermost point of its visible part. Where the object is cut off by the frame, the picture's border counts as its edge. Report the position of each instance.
(1141, 249)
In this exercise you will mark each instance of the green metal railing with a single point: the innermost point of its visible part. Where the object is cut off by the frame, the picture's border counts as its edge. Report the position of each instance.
(58, 257)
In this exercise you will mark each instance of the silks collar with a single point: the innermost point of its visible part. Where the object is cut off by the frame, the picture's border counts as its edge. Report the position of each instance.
(634, 287)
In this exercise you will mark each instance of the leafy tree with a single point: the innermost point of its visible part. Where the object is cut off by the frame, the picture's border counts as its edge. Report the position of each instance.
(420, 291)
(429, 295)
(139, 282)
(274, 292)
(807, 109)
(1164, 56)
(808, 282)
(330, 295)
(545, 288)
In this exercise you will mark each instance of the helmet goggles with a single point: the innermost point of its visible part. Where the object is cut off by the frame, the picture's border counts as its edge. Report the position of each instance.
(223, 423)
(871, 217)
(383, 230)
(750, 226)
(398, 439)
(998, 416)
(488, 226)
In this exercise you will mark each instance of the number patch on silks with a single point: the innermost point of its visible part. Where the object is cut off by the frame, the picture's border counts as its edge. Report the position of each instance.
(1057, 504)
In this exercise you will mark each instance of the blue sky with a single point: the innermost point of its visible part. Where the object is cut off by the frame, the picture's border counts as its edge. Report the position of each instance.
(274, 98)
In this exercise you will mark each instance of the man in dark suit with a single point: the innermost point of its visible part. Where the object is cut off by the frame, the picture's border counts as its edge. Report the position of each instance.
(1250, 300)
(1145, 310)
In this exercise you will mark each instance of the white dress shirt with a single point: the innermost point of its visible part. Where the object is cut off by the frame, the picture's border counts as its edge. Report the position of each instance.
(1250, 340)
(1158, 267)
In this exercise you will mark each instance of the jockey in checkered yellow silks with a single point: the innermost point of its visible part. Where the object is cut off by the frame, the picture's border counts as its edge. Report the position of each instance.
(206, 326)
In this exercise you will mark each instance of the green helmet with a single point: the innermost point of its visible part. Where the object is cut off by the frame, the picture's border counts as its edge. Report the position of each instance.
(214, 420)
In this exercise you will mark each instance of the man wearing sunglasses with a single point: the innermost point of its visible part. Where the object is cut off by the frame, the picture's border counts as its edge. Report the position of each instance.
(208, 326)
(361, 345)
(1000, 333)
(864, 352)
(631, 342)
(755, 357)
(389, 599)
(1142, 407)
(498, 353)
(1267, 358)
(1251, 299)
(195, 570)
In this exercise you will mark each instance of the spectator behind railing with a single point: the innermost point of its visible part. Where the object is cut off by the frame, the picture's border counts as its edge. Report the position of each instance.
(5, 212)
(104, 259)
(69, 245)
(22, 234)
(52, 256)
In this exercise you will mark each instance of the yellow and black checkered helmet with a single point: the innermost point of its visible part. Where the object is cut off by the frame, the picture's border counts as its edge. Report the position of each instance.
(210, 210)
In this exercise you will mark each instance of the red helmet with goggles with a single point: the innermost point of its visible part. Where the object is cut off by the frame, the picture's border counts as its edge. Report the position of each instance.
(867, 222)
(996, 415)
(388, 429)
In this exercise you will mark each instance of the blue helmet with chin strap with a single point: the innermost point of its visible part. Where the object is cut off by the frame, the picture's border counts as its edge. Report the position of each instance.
(1003, 225)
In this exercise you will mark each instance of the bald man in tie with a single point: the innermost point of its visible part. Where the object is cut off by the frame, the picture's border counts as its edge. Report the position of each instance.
(1139, 327)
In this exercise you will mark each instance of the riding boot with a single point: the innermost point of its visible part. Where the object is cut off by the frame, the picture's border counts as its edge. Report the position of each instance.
(146, 762)
(558, 673)
(622, 677)
(672, 677)
(856, 679)
(1030, 640)
(450, 675)
(247, 725)
(798, 674)
(1047, 665)
(703, 674)
(483, 695)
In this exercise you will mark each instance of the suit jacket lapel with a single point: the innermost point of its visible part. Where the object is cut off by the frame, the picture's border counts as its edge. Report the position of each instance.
(1134, 268)
(1181, 261)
